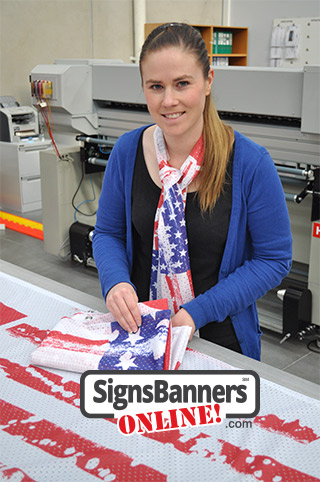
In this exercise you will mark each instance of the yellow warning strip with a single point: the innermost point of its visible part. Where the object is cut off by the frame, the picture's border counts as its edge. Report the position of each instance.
(23, 221)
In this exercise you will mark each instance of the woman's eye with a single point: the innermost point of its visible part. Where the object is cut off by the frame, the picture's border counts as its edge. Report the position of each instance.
(156, 87)
(183, 83)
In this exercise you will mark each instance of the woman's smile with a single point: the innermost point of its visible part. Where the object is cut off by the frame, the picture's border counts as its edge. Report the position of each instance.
(173, 115)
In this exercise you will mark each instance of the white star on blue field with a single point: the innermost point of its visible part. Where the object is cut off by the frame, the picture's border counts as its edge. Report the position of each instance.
(143, 350)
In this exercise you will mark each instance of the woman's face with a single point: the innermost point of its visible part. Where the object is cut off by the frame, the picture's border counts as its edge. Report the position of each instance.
(175, 90)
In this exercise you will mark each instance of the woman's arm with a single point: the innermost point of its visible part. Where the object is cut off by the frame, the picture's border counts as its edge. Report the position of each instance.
(268, 226)
(109, 247)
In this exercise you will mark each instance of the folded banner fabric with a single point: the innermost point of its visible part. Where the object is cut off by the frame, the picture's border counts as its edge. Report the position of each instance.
(90, 340)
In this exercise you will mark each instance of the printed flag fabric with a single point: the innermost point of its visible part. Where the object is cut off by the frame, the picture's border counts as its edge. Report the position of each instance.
(45, 438)
(170, 269)
(91, 340)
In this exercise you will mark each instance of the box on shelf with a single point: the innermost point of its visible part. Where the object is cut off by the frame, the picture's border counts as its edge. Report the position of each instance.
(220, 61)
(222, 42)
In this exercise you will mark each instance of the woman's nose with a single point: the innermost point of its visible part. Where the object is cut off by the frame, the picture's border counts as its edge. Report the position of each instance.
(169, 98)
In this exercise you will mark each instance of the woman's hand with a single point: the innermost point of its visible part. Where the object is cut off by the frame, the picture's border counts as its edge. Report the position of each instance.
(183, 318)
(122, 302)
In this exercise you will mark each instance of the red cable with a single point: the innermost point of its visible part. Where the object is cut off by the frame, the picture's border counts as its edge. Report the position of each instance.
(46, 120)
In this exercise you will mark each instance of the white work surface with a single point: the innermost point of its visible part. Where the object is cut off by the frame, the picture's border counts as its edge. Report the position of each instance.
(44, 436)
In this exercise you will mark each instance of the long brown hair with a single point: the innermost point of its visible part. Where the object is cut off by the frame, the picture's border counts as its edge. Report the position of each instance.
(218, 137)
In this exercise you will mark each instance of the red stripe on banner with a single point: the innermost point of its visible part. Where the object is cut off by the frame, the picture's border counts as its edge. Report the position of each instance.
(173, 437)
(42, 381)
(294, 430)
(262, 467)
(51, 384)
(22, 375)
(210, 455)
(64, 341)
(58, 340)
(8, 314)
(31, 333)
(87, 455)
(14, 474)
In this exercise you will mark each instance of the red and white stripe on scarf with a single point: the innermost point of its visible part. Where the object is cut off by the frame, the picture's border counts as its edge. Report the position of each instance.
(170, 269)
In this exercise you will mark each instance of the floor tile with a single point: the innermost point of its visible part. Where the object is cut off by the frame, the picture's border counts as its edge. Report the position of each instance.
(280, 355)
(308, 367)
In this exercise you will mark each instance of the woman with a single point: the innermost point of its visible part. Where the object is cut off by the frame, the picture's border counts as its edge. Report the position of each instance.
(190, 210)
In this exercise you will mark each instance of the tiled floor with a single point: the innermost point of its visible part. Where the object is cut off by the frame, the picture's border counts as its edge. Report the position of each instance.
(292, 356)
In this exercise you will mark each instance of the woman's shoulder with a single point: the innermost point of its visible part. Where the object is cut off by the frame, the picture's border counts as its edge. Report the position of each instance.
(246, 146)
(248, 154)
(252, 162)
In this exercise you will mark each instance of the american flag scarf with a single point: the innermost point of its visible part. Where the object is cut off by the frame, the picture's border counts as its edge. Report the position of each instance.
(170, 269)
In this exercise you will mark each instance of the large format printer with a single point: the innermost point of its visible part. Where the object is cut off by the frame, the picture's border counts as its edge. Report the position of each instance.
(20, 144)
(93, 102)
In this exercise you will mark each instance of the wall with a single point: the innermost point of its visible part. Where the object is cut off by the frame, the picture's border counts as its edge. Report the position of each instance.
(36, 32)
(39, 31)
(258, 16)
(189, 11)
(112, 29)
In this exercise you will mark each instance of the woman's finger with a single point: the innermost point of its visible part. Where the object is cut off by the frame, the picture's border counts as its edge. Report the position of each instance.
(122, 303)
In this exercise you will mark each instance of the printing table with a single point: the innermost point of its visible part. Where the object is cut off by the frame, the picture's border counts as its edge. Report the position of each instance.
(44, 436)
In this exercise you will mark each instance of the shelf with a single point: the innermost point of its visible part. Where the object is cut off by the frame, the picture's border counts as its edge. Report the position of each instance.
(238, 56)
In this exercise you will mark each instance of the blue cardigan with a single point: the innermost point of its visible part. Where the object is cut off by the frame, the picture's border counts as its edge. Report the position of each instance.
(258, 249)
